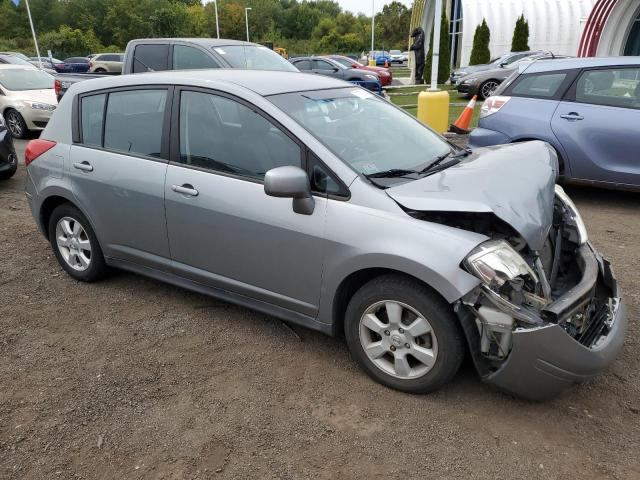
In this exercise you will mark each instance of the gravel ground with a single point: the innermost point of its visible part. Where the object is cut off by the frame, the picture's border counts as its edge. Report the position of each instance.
(131, 378)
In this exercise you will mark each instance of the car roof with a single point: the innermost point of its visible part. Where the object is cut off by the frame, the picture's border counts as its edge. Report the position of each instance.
(551, 65)
(207, 42)
(16, 66)
(262, 82)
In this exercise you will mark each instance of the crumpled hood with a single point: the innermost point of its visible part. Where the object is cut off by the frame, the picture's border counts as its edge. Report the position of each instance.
(516, 182)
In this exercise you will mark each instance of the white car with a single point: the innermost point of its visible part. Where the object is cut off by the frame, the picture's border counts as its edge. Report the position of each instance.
(27, 98)
(397, 56)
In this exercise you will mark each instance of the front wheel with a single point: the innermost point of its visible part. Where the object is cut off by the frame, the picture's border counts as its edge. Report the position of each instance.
(403, 335)
(100, 70)
(16, 124)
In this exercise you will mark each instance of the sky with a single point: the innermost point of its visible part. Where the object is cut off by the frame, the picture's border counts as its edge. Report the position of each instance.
(365, 5)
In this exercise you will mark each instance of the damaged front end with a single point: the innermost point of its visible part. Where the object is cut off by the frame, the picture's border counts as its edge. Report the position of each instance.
(542, 320)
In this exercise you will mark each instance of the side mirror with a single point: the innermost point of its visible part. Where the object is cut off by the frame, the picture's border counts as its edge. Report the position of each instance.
(290, 182)
(503, 64)
(335, 69)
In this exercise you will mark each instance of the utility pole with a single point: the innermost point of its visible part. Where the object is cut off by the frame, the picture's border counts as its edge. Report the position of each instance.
(246, 19)
(217, 24)
(436, 45)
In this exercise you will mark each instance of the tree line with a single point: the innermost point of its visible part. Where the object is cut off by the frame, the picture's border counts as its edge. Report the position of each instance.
(80, 27)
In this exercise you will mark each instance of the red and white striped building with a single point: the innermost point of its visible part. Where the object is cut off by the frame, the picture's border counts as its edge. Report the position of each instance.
(568, 27)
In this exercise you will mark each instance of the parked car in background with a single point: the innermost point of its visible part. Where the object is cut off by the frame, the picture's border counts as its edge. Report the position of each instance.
(502, 61)
(381, 57)
(332, 68)
(485, 82)
(282, 192)
(8, 157)
(397, 56)
(588, 109)
(27, 98)
(106, 63)
(6, 59)
(157, 54)
(384, 74)
(21, 56)
(76, 65)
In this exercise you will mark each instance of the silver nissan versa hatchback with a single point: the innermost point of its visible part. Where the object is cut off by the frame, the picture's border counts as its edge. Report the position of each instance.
(281, 192)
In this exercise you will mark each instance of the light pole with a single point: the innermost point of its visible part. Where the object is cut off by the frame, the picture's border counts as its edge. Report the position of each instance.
(217, 25)
(373, 24)
(246, 19)
(435, 59)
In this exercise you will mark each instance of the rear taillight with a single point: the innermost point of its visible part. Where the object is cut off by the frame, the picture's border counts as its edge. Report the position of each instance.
(56, 87)
(493, 105)
(35, 148)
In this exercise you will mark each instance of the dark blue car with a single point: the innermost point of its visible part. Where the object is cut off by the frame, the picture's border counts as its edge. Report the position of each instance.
(588, 109)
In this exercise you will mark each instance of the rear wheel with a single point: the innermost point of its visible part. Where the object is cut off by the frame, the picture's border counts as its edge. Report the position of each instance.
(75, 244)
(16, 124)
(13, 160)
(487, 89)
(403, 335)
(100, 70)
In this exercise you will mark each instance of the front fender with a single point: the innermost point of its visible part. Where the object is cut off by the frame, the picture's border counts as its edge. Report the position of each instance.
(359, 238)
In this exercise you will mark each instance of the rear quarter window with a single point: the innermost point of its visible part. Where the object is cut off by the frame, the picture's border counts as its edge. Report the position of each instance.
(92, 115)
(147, 58)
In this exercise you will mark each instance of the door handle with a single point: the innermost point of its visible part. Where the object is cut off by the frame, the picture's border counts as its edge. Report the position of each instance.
(185, 189)
(84, 166)
(572, 116)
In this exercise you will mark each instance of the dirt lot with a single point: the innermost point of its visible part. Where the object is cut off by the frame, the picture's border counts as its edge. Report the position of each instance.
(131, 378)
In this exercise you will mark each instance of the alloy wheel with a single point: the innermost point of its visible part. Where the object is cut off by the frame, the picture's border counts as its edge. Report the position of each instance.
(73, 243)
(398, 340)
(15, 124)
(488, 88)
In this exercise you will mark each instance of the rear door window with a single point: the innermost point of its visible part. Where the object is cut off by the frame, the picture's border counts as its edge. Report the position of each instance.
(186, 58)
(615, 87)
(303, 64)
(134, 121)
(544, 85)
(151, 58)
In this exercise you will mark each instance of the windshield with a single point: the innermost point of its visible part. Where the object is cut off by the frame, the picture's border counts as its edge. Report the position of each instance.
(395, 52)
(31, 79)
(254, 57)
(345, 62)
(365, 131)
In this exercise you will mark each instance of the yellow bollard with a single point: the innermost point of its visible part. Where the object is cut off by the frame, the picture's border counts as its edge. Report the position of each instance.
(433, 109)
(372, 62)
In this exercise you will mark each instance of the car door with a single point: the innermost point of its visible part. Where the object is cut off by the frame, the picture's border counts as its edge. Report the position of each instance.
(224, 231)
(118, 164)
(597, 124)
(322, 67)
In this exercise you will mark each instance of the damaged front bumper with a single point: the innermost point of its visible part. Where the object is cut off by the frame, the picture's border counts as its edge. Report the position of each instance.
(546, 359)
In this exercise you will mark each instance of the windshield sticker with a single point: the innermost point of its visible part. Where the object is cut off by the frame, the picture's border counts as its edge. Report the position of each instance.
(220, 51)
(363, 94)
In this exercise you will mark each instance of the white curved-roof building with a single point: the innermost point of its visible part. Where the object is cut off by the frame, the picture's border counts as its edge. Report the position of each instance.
(568, 27)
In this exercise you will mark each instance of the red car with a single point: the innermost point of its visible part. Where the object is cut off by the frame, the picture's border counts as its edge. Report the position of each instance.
(384, 73)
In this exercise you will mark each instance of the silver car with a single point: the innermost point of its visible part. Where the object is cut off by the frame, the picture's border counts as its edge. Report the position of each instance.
(276, 191)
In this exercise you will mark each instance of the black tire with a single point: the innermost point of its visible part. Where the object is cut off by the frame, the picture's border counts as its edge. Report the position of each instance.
(100, 70)
(6, 175)
(97, 268)
(444, 325)
(16, 124)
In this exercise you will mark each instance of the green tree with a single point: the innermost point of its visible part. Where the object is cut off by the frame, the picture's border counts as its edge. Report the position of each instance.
(480, 53)
(394, 21)
(444, 61)
(520, 41)
(68, 42)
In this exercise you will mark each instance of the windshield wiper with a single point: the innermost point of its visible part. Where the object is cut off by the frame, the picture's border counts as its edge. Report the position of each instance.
(439, 159)
(393, 172)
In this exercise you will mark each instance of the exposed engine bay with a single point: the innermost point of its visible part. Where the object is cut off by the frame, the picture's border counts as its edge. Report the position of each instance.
(523, 288)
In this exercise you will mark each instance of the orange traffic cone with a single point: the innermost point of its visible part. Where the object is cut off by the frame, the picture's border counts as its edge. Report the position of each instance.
(461, 125)
(386, 63)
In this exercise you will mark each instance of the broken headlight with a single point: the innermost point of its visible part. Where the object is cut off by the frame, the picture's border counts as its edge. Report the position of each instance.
(574, 215)
(495, 262)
